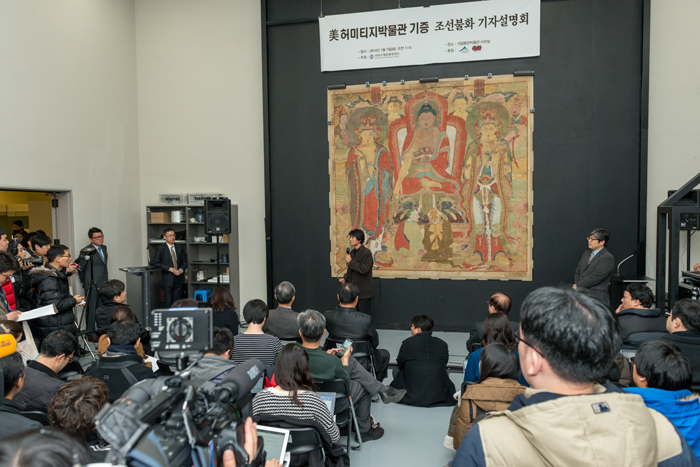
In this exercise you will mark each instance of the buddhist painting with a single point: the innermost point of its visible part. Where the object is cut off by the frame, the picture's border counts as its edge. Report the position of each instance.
(437, 175)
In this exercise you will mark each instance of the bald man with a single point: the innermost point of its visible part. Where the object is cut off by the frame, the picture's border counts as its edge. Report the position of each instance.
(498, 303)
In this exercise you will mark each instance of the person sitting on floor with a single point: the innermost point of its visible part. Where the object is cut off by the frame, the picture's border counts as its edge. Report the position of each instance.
(216, 362)
(496, 330)
(113, 294)
(121, 366)
(422, 367)
(73, 409)
(495, 390)
(639, 322)
(13, 421)
(125, 312)
(254, 343)
(294, 394)
(683, 325)
(41, 380)
(663, 377)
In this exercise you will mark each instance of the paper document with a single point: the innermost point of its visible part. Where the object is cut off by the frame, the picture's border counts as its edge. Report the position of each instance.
(154, 363)
(47, 310)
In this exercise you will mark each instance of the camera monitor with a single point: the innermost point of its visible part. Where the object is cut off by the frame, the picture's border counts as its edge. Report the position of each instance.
(182, 329)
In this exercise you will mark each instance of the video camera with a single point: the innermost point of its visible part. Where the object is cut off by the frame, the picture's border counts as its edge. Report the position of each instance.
(178, 421)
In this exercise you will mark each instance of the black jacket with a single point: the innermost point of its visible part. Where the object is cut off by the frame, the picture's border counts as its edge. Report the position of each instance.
(478, 332)
(40, 385)
(360, 271)
(347, 323)
(51, 287)
(12, 420)
(119, 371)
(638, 326)
(689, 343)
(164, 261)
(282, 323)
(422, 362)
(103, 316)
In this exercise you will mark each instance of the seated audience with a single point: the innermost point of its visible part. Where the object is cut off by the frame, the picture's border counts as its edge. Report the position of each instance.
(282, 322)
(119, 313)
(45, 447)
(326, 366)
(185, 303)
(216, 362)
(294, 394)
(50, 284)
(498, 303)
(565, 418)
(254, 343)
(495, 390)
(113, 294)
(639, 322)
(41, 380)
(225, 316)
(663, 376)
(496, 330)
(121, 366)
(73, 409)
(683, 324)
(13, 422)
(422, 367)
(345, 322)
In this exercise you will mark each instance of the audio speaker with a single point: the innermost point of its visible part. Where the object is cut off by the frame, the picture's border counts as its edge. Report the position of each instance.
(217, 216)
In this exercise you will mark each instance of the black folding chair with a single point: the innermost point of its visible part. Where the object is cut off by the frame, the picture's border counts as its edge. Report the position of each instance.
(302, 439)
(343, 417)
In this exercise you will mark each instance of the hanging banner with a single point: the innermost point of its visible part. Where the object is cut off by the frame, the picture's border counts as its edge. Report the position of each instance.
(437, 34)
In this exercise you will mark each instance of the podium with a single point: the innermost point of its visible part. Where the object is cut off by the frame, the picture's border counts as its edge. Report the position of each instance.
(143, 291)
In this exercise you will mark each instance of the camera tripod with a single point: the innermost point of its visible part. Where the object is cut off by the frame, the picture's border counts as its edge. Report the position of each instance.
(92, 287)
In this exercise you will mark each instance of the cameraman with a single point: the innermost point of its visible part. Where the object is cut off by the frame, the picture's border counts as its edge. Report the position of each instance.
(50, 284)
(8, 266)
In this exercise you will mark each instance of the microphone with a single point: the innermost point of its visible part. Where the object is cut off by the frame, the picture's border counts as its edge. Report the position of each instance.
(620, 264)
(8, 345)
(242, 379)
(347, 251)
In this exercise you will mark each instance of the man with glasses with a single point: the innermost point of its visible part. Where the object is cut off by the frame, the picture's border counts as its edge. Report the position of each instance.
(595, 269)
(683, 325)
(50, 284)
(567, 342)
(94, 269)
(41, 381)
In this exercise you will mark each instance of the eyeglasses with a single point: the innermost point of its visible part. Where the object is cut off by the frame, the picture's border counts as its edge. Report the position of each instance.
(520, 339)
(592, 238)
(95, 237)
(667, 314)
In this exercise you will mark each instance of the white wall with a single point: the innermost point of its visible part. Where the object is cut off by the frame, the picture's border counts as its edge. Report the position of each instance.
(199, 73)
(68, 113)
(674, 110)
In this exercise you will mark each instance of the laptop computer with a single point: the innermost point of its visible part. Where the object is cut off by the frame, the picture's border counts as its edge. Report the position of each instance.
(329, 399)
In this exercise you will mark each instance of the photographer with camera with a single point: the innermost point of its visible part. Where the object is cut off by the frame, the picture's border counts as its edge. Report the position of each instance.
(8, 266)
(50, 284)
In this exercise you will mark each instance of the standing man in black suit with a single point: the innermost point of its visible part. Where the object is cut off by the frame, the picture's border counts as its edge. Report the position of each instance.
(172, 260)
(98, 264)
(595, 269)
(360, 264)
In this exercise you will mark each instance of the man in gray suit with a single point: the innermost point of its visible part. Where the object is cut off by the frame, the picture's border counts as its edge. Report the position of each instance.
(98, 265)
(595, 269)
(282, 321)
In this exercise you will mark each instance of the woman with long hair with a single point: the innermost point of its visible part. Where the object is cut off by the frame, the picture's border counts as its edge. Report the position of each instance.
(294, 394)
(497, 330)
(225, 316)
(495, 389)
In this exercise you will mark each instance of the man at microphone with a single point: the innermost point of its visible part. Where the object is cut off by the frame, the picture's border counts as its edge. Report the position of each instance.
(360, 263)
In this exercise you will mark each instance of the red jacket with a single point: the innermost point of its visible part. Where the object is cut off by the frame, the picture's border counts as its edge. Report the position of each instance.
(9, 293)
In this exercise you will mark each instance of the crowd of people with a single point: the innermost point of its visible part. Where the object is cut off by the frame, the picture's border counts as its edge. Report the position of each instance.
(556, 385)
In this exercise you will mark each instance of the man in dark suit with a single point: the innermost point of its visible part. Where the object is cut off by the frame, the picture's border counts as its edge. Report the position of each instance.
(172, 260)
(94, 268)
(595, 269)
(498, 303)
(360, 264)
(346, 323)
(683, 324)
(422, 367)
(282, 321)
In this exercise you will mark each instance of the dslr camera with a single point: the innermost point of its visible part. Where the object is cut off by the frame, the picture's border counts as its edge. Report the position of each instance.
(176, 420)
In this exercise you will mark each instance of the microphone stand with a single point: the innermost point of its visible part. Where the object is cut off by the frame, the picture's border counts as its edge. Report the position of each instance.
(620, 264)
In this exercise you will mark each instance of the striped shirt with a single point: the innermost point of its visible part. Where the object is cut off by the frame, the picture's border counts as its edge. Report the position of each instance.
(264, 347)
(276, 401)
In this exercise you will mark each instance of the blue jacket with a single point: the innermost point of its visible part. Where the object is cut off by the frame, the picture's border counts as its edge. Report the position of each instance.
(471, 372)
(684, 414)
